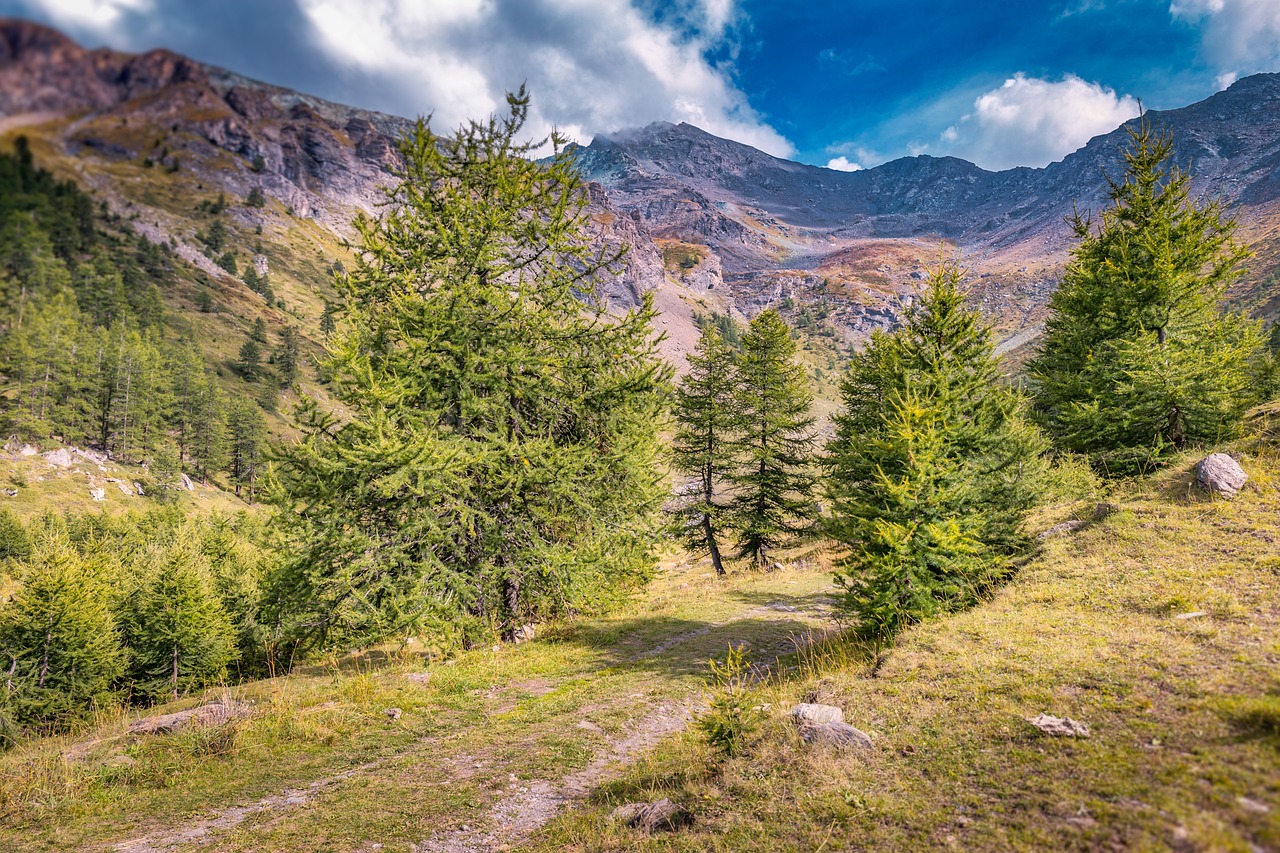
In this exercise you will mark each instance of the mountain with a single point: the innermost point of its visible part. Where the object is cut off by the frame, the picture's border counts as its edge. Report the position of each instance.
(714, 226)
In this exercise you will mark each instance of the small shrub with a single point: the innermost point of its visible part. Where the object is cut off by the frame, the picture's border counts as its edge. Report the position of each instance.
(733, 716)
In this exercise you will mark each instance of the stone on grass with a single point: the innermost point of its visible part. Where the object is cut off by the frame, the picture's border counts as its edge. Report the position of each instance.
(1059, 726)
(60, 458)
(841, 735)
(811, 712)
(652, 817)
(393, 714)
(523, 634)
(1220, 474)
(186, 483)
(213, 714)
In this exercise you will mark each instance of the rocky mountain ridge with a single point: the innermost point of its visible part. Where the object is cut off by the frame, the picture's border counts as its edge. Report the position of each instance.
(713, 226)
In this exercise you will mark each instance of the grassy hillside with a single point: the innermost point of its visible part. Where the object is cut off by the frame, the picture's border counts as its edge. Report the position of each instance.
(1157, 626)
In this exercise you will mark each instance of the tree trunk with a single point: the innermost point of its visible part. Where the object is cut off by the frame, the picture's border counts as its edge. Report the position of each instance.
(174, 678)
(711, 544)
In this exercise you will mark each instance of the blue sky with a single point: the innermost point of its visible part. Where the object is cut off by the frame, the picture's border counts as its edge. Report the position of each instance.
(845, 84)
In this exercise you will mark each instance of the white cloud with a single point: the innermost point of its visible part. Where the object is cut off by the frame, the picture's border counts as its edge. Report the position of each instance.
(1033, 122)
(1238, 36)
(100, 17)
(591, 65)
(843, 164)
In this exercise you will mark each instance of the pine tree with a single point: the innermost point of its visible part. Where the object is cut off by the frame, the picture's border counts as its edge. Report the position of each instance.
(285, 358)
(932, 468)
(249, 360)
(246, 439)
(208, 445)
(1137, 360)
(774, 444)
(496, 461)
(178, 634)
(60, 641)
(706, 416)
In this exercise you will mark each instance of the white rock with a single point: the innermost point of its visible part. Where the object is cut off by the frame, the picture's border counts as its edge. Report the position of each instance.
(60, 458)
(98, 494)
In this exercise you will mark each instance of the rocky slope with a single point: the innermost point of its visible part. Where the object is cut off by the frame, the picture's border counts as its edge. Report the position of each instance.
(712, 225)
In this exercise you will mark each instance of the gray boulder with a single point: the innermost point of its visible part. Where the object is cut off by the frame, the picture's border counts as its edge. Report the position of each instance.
(815, 714)
(841, 735)
(1059, 726)
(651, 817)
(1221, 474)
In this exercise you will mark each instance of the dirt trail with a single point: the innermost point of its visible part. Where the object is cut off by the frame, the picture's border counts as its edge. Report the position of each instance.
(528, 806)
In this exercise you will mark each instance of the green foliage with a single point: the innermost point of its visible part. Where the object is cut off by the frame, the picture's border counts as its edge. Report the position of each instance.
(286, 356)
(707, 418)
(932, 468)
(774, 440)
(178, 633)
(732, 716)
(496, 459)
(228, 262)
(59, 638)
(246, 440)
(249, 360)
(15, 542)
(1137, 361)
(255, 198)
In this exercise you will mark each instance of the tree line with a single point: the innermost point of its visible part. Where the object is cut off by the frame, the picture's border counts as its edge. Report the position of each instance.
(83, 349)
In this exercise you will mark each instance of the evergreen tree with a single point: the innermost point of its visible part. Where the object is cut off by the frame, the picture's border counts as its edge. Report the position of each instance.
(249, 361)
(285, 358)
(178, 633)
(208, 446)
(706, 416)
(255, 198)
(246, 439)
(1137, 360)
(932, 468)
(496, 459)
(775, 440)
(60, 640)
(259, 330)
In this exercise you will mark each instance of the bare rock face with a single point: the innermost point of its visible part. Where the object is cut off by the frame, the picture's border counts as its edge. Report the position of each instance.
(651, 817)
(1220, 474)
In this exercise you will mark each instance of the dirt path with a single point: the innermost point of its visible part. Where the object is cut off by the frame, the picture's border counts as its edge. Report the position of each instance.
(519, 808)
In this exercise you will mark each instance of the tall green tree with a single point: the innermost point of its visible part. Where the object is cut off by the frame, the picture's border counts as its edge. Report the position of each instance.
(932, 469)
(179, 636)
(774, 442)
(496, 459)
(59, 639)
(246, 442)
(1138, 359)
(706, 415)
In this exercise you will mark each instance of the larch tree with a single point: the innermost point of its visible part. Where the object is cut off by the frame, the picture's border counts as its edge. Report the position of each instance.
(706, 416)
(495, 459)
(1138, 359)
(774, 442)
(933, 467)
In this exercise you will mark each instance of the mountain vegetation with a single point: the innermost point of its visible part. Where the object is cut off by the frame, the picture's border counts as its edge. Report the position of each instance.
(460, 426)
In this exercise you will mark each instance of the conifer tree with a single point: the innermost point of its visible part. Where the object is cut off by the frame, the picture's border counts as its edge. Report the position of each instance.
(178, 634)
(496, 461)
(1137, 359)
(208, 449)
(706, 416)
(286, 355)
(249, 360)
(932, 467)
(246, 437)
(774, 444)
(58, 635)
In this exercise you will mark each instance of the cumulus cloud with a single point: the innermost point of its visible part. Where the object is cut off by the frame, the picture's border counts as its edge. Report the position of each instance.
(591, 65)
(1033, 122)
(843, 164)
(1238, 36)
(102, 17)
